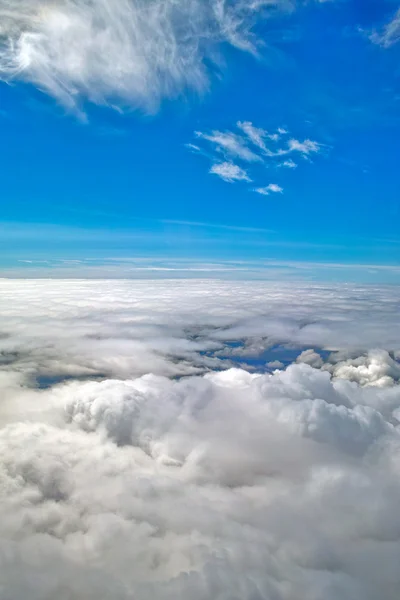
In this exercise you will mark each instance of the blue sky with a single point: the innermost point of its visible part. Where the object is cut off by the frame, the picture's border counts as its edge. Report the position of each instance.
(311, 122)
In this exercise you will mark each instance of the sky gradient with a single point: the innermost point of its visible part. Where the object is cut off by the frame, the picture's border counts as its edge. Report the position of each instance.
(275, 145)
(199, 300)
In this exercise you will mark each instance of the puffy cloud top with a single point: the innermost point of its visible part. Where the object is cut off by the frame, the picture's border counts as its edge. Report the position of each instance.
(170, 476)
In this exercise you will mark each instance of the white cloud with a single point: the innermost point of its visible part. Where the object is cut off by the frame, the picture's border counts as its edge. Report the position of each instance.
(274, 137)
(307, 147)
(390, 34)
(234, 146)
(262, 190)
(272, 187)
(193, 147)
(256, 135)
(128, 328)
(229, 484)
(124, 52)
(290, 164)
(310, 357)
(229, 172)
(375, 368)
(230, 144)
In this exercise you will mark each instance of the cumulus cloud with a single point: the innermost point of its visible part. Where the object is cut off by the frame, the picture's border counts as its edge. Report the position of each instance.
(266, 191)
(310, 357)
(124, 52)
(375, 368)
(229, 172)
(120, 478)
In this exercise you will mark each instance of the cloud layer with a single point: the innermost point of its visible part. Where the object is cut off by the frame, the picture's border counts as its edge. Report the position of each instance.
(126, 52)
(121, 479)
(125, 328)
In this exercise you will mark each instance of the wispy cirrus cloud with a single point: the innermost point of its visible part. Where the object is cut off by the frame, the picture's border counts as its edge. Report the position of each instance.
(229, 144)
(257, 136)
(229, 172)
(390, 34)
(254, 145)
(122, 52)
(306, 147)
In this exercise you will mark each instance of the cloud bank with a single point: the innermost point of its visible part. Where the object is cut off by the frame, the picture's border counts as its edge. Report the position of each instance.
(128, 53)
(135, 462)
